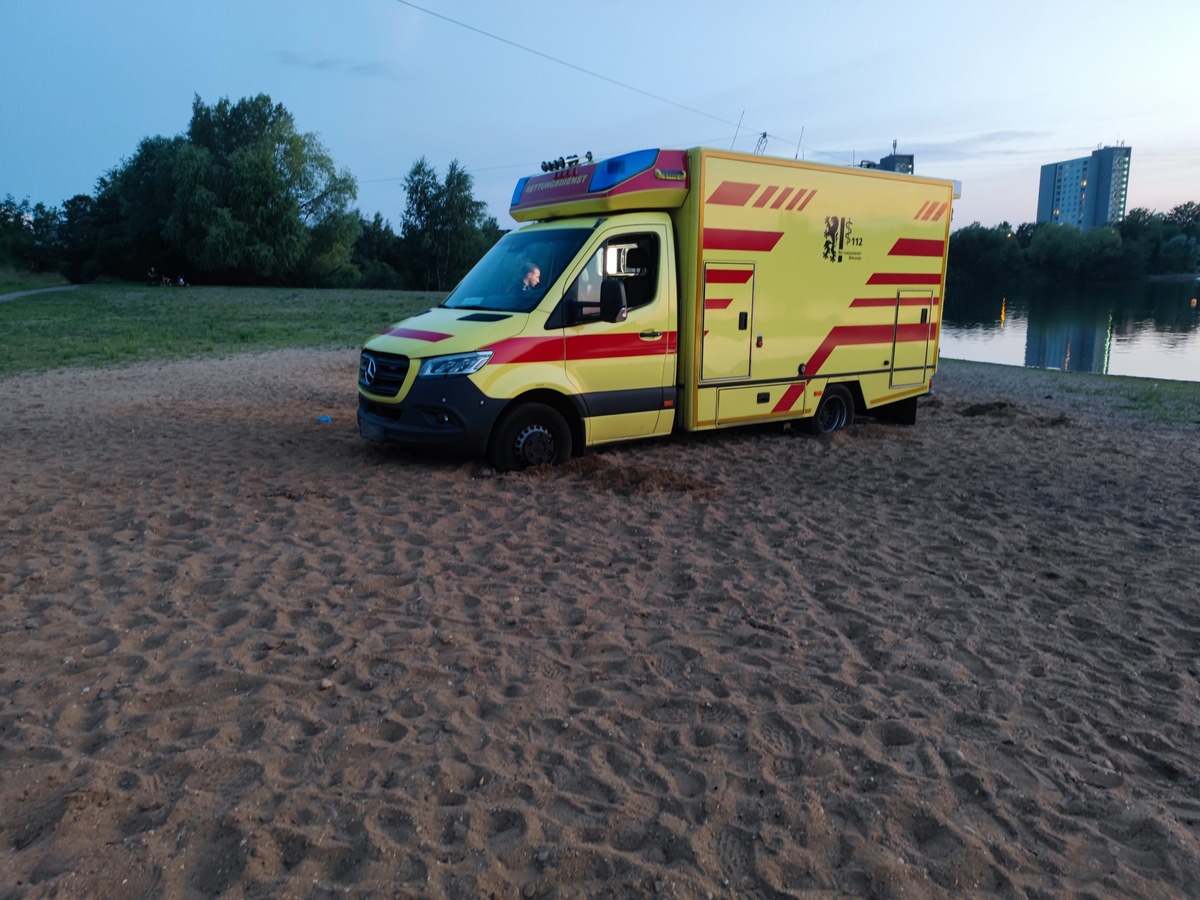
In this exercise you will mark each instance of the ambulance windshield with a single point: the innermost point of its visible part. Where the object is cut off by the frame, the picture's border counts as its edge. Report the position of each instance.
(516, 273)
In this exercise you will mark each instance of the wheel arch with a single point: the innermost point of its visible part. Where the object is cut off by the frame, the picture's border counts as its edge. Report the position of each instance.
(856, 394)
(566, 406)
(837, 400)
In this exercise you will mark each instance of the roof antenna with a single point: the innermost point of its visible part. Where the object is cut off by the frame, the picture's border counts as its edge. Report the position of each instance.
(739, 128)
(799, 142)
(761, 147)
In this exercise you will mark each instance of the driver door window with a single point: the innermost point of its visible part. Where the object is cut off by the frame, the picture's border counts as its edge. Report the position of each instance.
(631, 259)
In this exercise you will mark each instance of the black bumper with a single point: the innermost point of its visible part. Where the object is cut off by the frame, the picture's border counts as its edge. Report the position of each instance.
(447, 415)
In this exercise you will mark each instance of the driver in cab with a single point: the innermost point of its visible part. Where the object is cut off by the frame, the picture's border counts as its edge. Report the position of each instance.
(530, 276)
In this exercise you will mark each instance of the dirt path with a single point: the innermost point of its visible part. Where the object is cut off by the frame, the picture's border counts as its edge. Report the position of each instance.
(18, 294)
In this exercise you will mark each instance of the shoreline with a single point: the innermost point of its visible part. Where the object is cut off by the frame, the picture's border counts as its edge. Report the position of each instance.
(1102, 395)
(1092, 393)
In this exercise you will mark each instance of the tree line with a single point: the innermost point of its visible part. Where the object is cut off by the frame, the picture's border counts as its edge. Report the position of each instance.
(243, 197)
(1144, 243)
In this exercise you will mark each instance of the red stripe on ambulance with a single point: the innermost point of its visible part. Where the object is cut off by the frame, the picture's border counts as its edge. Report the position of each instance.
(807, 199)
(917, 247)
(783, 195)
(739, 193)
(524, 350)
(417, 335)
(583, 346)
(733, 193)
(616, 346)
(740, 239)
(766, 196)
(727, 276)
(789, 398)
(721, 303)
(905, 278)
(847, 335)
(931, 210)
(863, 302)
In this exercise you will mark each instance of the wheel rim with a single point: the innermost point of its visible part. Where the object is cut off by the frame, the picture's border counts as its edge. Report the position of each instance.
(534, 445)
(833, 414)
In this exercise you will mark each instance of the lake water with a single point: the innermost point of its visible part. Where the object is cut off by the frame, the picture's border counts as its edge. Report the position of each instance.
(1149, 328)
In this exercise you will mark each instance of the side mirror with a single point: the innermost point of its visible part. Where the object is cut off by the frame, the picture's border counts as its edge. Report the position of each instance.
(613, 306)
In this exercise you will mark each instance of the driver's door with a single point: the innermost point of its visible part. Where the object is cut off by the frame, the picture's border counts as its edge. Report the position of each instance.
(624, 371)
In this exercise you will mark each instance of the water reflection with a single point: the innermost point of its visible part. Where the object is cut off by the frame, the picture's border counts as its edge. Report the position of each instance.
(1147, 328)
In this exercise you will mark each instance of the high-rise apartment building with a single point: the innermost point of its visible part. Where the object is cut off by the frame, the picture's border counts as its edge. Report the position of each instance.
(1088, 192)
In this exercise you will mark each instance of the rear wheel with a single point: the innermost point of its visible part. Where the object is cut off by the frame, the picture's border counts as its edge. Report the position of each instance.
(531, 434)
(835, 411)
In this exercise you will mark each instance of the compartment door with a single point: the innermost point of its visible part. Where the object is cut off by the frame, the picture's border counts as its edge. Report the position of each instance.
(910, 342)
(728, 319)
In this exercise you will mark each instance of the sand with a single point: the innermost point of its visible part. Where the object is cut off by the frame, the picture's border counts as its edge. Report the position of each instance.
(246, 653)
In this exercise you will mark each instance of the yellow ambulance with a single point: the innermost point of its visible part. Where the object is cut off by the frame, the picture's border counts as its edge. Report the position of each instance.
(673, 289)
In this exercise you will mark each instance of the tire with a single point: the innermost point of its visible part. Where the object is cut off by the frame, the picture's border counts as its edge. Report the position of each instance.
(834, 412)
(529, 434)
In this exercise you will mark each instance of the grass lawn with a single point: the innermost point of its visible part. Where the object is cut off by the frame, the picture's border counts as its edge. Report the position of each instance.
(111, 324)
(11, 282)
(1161, 400)
(1154, 399)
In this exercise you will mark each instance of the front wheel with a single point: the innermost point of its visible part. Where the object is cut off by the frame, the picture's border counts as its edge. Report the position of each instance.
(531, 434)
(835, 411)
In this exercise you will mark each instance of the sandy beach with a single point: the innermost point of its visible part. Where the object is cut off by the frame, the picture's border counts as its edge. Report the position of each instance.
(245, 653)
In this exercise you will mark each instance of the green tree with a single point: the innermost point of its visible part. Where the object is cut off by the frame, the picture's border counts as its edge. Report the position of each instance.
(1138, 223)
(444, 230)
(259, 192)
(1057, 249)
(199, 183)
(1102, 253)
(330, 258)
(77, 238)
(1064, 251)
(419, 225)
(378, 254)
(1179, 255)
(1025, 232)
(980, 253)
(242, 196)
(1141, 238)
(463, 220)
(15, 233)
(29, 235)
(140, 194)
(1186, 217)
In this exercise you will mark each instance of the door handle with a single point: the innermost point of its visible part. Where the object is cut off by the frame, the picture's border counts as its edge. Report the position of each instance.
(650, 335)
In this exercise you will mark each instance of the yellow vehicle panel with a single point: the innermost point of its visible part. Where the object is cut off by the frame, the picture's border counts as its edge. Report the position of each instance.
(845, 268)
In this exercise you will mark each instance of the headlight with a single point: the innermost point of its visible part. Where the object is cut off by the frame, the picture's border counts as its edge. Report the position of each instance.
(458, 364)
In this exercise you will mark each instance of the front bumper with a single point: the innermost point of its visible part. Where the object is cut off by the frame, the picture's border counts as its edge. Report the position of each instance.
(448, 415)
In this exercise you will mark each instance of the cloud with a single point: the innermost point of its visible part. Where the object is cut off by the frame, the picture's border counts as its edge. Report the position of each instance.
(993, 149)
(989, 144)
(337, 66)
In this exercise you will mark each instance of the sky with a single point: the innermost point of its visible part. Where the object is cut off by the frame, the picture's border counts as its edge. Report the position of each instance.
(979, 92)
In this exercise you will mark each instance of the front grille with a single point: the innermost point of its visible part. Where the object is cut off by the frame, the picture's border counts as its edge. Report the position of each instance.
(390, 370)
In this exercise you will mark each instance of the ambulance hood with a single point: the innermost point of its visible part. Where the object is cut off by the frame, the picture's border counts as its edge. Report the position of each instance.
(441, 331)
